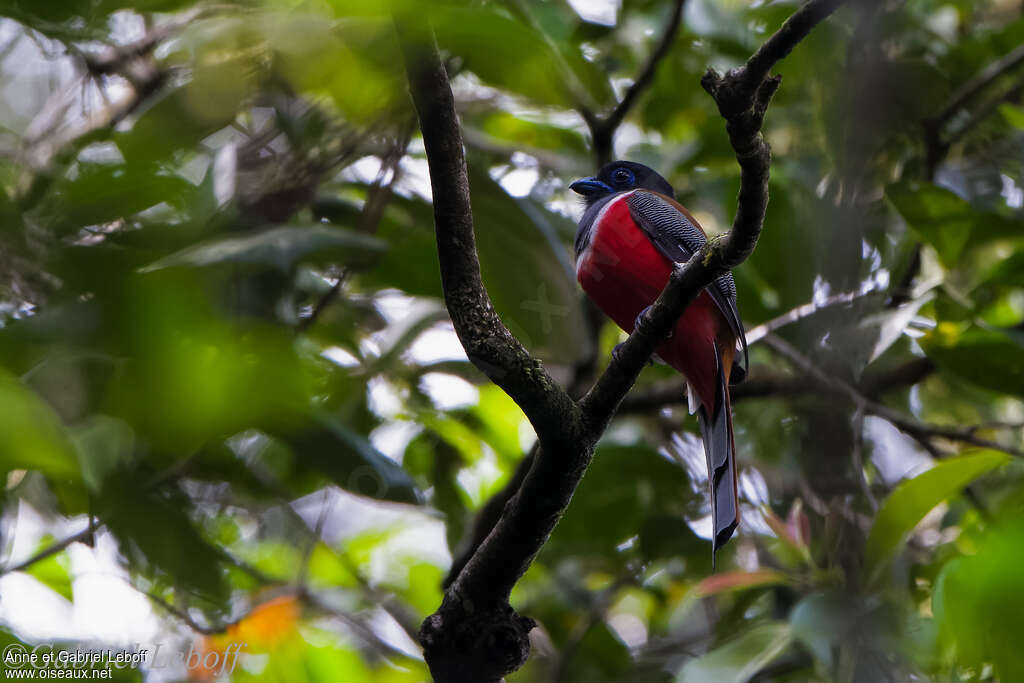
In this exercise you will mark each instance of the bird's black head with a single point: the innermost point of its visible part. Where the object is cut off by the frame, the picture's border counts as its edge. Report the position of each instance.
(620, 176)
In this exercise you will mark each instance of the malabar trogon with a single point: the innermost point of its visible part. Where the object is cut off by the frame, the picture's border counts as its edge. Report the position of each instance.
(631, 232)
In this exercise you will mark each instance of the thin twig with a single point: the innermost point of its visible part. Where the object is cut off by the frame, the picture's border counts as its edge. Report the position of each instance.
(315, 536)
(602, 129)
(323, 302)
(905, 423)
(996, 424)
(258, 575)
(981, 80)
(601, 602)
(80, 537)
(360, 629)
(380, 191)
(182, 615)
(403, 615)
(764, 385)
(755, 334)
(903, 290)
(646, 74)
(857, 457)
(936, 146)
(986, 110)
(86, 535)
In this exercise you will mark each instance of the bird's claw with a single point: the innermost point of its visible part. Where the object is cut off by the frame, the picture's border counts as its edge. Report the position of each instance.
(641, 314)
(617, 351)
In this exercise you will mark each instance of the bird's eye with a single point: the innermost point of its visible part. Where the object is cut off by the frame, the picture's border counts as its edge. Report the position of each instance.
(623, 176)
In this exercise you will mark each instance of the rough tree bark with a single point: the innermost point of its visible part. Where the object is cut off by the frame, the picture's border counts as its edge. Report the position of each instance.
(476, 635)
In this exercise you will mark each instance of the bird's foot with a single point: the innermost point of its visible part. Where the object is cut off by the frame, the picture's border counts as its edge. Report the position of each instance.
(641, 314)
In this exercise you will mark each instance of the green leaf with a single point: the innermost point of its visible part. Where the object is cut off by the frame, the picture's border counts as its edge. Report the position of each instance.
(946, 221)
(509, 54)
(771, 281)
(31, 435)
(74, 323)
(457, 434)
(100, 193)
(356, 62)
(279, 248)
(53, 571)
(666, 536)
(600, 656)
(156, 534)
(351, 460)
(1013, 114)
(524, 264)
(192, 378)
(624, 488)
(498, 420)
(912, 500)
(437, 463)
(988, 358)
(327, 664)
(400, 338)
(527, 273)
(979, 601)
(939, 216)
(1009, 271)
(327, 569)
(739, 659)
(821, 620)
(168, 123)
(279, 558)
(507, 127)
(422, 586)
(103, 444)
(410, 263)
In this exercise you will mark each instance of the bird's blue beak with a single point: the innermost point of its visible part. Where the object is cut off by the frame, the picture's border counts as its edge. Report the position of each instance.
(588, 187)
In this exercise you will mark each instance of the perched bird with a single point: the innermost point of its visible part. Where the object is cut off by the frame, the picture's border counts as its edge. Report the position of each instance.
(631, 232)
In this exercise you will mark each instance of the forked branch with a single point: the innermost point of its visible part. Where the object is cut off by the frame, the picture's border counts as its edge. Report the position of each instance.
(476, 635)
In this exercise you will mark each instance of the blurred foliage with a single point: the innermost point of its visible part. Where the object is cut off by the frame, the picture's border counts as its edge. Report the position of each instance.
(224, 352)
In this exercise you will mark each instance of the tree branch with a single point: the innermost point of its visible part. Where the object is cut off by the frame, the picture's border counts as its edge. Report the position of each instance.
(986, 110)
(182, 616)
(748, 77)
(489, 515)
(81, 537)
(760, 386)
(742, 96)
(475, 635)
(905, 423)
(756, 334)
(981, 80)
(936, 147)
(602, 130)
(764, 385)
(902, 376)
(487, 342)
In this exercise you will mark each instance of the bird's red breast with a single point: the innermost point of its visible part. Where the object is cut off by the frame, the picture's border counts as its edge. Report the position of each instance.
(623, 272)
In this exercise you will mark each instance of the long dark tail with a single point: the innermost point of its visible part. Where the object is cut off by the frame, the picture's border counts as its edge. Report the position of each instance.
(720, 450)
